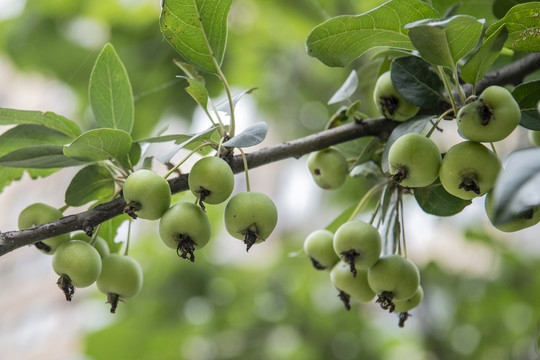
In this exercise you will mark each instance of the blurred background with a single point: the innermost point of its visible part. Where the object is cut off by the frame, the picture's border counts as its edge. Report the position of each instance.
(481, 286)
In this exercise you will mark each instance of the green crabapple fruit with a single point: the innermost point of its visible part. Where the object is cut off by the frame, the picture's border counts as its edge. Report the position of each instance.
(147, 195)
(121, 278)
(350, 286)
(37, 214)
(186, 228)
(211, 180)
(358, 243)
(469, 170)
(414, 160)
(534, 137)
(100, 244)
(78, 264)
(251, 217)
(390, 103)
(328, 167)
(403, 306)
(491, 117)
(525, 219)
(393, 278)
(320, 249)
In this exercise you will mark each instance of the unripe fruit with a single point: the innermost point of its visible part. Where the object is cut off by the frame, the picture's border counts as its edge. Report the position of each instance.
(186, 228)
(100, 244)
(319, 247)
(394, 278)
(211, 180)
(414, 160)
(37, 214)
(469, 170)
(491, 117)
(534, 137)
(410, 303)
(147, 195)
(524, 220)
(390, 103)
(251, 217)
(121, 278)
(78, 264)
(358, 243)
(350, 286)
(329, 168)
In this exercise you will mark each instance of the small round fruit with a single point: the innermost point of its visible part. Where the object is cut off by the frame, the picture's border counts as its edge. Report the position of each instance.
(524, 220)
(147, 195)
(78, 264)
(100, 244)
(410, 303)
(186, 228)
(121, 278)
(319, 246)
(211, 180)
(37, 214)
(414, 160)
(394, 278)
(469, 170)
(358, 243)
(251, 217)
(390, 103)
(328, 167)
(491, 117)
(355, 287)
(534, 137)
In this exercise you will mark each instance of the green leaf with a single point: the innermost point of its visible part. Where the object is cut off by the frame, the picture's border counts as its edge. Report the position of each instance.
(527, 96)
(523, 24)
(100, 144)
(346, 90)
(501, 7)
(38, 157)
(48, 119)
(517, 185)
(478, 65)
(198, 92)
(435, 200)
(93, 182)
(188, 140)
(25, 135)
(444, 42)
(111, 97)
(251, 136)
(224, 105)
(340, 40)
(416, 80)
(197, 30)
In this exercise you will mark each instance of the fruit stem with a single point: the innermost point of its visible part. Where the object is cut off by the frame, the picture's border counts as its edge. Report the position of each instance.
(128, 238)
(187, 157)
(365, 198)
(244, 159)
(493, 147)
(461, 93)
(448, 89)
(403, 246)
(436, 124)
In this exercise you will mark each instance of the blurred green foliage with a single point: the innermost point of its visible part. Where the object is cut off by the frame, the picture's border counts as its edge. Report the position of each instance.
(281, 308)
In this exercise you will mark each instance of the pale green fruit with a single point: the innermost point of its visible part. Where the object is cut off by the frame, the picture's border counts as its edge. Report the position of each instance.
(394, 277)
(211, 180)
(186, 228)
(534, 137)
(37, 214)
(319, 246)
(491, 117)
(147, 195)
(526, 219)
(414, 160)
(329, 168)
(410, 303)
(469, 170)
(390, 103)
(356, 287)
(100, 244)
(358, 243)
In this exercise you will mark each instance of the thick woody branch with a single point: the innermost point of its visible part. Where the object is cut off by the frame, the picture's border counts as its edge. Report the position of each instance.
(380, 127)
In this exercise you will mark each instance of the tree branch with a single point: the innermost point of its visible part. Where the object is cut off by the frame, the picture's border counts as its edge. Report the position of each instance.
(380, 127)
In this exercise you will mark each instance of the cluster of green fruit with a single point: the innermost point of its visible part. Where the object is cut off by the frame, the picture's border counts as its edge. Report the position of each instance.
(359, 272)
(81, 260)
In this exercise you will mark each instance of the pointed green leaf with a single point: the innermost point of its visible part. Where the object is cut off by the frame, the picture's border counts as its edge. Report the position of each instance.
(110, 92)
(188, 140)
(340, 40)
(94, 182)
(527, 96)
(99, 144)
(224, 105)
(416, 80)
(435, 200)
(523, 24)
(444, 42)
(198, 92)
(38, 157)
(25, 135)
(251, 136)
(346, 90)
(48, 119)
(197, 30)
(478, 65)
